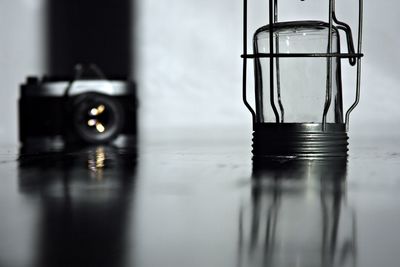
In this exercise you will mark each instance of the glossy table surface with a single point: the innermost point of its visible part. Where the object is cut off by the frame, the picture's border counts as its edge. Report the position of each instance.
(199, 201)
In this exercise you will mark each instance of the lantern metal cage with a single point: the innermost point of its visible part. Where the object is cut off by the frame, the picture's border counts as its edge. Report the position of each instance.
(302, 139)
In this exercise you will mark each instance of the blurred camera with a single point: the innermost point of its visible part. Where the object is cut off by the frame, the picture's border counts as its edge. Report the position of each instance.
(89, 109)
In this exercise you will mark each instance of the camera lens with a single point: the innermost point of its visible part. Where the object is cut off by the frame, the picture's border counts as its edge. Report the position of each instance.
(97, 118)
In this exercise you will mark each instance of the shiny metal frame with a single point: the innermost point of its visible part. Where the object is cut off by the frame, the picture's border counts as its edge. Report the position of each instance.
(354, 58)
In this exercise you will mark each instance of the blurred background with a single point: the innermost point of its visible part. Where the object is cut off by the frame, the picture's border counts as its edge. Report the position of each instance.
(184, 56)
(186, 62)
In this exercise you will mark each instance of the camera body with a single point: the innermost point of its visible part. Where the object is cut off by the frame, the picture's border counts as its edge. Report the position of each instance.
(59, 112)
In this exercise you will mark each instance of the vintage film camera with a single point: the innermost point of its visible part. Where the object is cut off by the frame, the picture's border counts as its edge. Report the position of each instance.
(87, 110)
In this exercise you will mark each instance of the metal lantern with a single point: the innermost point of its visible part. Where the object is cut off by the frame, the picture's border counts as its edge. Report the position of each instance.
(298, 85)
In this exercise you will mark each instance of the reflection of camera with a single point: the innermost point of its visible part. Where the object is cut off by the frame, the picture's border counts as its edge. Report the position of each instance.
(84, 110)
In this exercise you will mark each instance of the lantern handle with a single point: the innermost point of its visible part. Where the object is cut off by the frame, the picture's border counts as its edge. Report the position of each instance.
(244, 76)
(359, 48)
(349, 37)
(328, 96)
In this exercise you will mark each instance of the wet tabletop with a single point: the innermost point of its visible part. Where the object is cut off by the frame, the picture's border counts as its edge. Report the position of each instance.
(199, 200)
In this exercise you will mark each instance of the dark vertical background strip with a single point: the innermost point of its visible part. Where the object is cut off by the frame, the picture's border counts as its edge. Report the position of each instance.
(90, 31)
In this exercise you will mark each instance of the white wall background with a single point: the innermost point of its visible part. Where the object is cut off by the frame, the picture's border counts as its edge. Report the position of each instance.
(189, 69)
(21, 54)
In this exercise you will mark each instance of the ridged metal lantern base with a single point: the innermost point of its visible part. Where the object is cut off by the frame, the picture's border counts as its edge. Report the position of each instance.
(300, 140)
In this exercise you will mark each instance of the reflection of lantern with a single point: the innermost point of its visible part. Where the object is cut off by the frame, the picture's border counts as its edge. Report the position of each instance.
(298, 87)
(297, 215)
